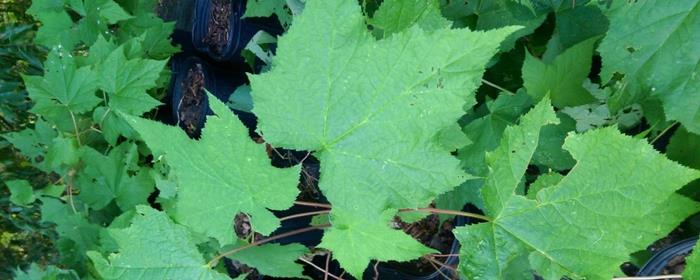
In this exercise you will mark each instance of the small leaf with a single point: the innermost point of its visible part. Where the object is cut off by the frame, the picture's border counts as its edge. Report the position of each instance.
(563, 78)
(47, 273)
(273, 259)
(126, 81)
(21, 192)
(396, 15)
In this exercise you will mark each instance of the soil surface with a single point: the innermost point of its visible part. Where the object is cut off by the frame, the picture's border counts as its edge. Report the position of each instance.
(190, 108)
(219, 25)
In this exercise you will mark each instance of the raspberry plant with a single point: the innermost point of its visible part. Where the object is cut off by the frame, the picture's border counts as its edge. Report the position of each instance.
(395, 104)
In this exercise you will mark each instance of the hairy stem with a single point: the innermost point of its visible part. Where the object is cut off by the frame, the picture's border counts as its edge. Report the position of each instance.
(305, 214)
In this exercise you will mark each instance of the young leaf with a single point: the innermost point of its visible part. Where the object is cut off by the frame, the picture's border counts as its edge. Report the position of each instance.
(370, 111)
(563, 78)
(220, 175)
(153, 247)
(654, 49)
(396, 15)
(616, 191)
(21, 192)
(486, 132)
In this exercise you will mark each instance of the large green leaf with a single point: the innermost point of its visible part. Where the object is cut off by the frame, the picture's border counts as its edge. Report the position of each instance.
(370, 111)
(220, 175)
(655, 49)
(65, 88)
(153, 247)
(619, 189)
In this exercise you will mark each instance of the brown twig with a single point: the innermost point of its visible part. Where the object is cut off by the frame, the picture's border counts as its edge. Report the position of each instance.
(328, 262)
(437, 269)
(305, 214)
(216, 259)
(320, 269)
(314, 204)
(425, 209)
(448, 212)
(69, 183)
(445, 255)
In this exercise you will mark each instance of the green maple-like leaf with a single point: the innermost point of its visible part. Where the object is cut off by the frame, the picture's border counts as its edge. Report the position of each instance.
(563, 78)
(107, 178)
(65, 88)
(655, 50)
(619, 189)
(221, 174)
(98, 15)
(57, 27)
(127, 80)
(396, 15)
(370, 110)
(48, 273)
(153, 247)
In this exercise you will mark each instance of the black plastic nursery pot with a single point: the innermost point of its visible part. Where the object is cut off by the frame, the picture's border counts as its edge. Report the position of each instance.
(669, 259)
(188, 101)
(219, 31)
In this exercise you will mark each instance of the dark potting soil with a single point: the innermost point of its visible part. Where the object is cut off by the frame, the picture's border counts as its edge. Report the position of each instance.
(430, 232)
(218, 25)
(190, 108)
